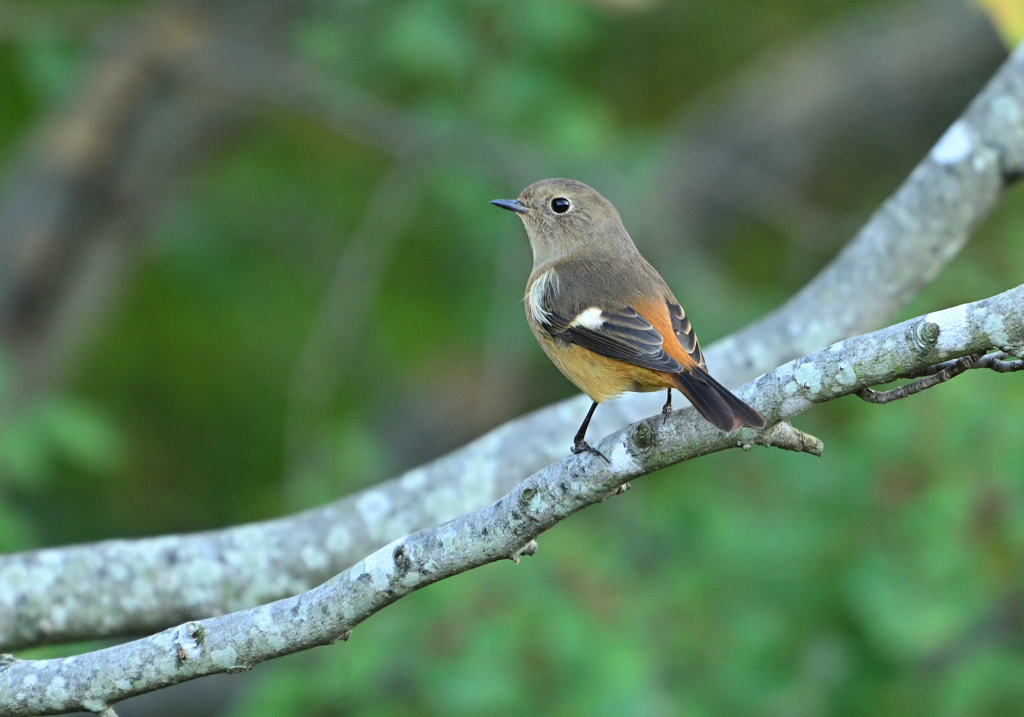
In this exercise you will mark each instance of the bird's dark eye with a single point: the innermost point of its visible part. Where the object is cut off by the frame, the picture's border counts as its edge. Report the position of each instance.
(560, 205)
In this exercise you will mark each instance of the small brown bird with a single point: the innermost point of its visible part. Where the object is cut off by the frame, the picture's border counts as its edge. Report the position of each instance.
(603, 315)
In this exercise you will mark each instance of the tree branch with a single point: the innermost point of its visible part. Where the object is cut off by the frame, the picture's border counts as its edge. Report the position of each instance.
(340, 321)
(998, 363)
(507, 528)
(77, 202)
(905, 243)
(940, 373)
(934, 375)
(837, 87)
(109, 588)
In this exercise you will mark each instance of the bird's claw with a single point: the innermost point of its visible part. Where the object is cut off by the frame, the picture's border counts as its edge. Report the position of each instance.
(666, 410)
(582, 446)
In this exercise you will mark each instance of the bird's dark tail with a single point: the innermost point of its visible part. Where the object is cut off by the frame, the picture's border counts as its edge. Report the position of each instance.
(715, 402)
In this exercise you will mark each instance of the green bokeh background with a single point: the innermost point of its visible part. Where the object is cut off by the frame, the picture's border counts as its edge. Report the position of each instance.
(884, 578)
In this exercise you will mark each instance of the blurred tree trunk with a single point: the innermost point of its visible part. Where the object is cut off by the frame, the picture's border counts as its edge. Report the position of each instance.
(79, 203)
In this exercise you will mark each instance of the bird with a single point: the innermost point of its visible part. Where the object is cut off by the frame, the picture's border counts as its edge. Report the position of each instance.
(603, 314)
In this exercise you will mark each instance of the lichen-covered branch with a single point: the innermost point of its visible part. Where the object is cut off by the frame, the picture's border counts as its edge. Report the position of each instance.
(905, 243)
(325, 614)
(123, 587)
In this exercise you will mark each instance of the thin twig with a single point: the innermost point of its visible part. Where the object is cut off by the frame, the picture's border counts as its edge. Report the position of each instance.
(942, 372)
(341, 319)
(996, 361)
(939, 373)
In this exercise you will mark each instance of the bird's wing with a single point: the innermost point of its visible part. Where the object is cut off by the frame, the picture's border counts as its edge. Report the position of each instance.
(652, 334)
(684, 333)
(619, 334)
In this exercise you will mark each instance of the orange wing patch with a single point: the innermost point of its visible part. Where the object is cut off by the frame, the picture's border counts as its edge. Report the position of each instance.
(657, 315)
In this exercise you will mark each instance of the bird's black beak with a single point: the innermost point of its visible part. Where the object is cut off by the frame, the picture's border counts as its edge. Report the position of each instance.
(511, 204)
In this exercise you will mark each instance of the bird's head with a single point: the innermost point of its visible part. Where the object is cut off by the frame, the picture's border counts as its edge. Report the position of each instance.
(563, 216)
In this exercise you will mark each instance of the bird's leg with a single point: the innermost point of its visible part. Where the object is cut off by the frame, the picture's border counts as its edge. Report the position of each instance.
(666, 410)
(578, 444)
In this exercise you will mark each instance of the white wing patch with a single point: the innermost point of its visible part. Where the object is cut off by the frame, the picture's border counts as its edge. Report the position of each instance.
(537, 293)
(589, 319)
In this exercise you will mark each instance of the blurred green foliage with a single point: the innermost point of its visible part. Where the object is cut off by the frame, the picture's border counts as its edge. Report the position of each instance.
(882, 579)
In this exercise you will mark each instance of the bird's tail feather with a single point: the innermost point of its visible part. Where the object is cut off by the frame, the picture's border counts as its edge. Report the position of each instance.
(715, 402)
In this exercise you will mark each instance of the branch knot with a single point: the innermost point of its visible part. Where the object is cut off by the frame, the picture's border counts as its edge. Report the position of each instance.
(188, 641)
(924, 335)
(403, 562)
(528, 493)
(642, 436)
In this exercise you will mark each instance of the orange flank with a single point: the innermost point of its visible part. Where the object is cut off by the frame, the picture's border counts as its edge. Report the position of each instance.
(601, 377)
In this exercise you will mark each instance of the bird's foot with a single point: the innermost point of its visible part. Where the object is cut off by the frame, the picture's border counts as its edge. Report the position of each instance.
(581, 446)
(666, 411)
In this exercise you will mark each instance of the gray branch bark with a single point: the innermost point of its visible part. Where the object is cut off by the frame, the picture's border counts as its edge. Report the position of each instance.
(126, 587)
(508, 527)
